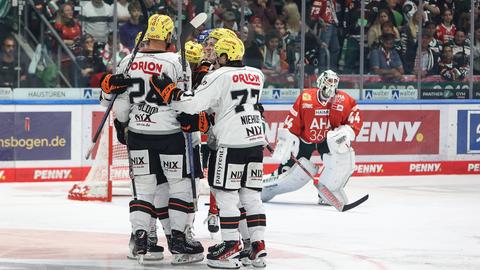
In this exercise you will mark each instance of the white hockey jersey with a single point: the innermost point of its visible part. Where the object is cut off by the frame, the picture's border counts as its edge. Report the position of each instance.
(232, 94)
(141, 104)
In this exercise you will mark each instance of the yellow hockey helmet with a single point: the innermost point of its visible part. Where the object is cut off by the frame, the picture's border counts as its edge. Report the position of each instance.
(193, 52)
(137, 38)
(219, 33)
(159, 26)
(232, 47)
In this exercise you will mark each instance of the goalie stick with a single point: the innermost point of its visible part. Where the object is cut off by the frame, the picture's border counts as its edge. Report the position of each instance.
(187, 30)
(339, 205)
(125, 73)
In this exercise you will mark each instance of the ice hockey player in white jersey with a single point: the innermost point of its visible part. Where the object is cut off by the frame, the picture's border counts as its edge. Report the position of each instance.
(232, 93)
(156, 145)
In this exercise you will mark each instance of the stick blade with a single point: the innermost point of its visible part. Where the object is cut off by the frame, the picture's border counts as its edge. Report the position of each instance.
(198, 20)
(355, 204)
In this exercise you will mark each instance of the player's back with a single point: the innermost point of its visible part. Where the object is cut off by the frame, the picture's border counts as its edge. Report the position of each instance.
(238, 121)
(147, 112)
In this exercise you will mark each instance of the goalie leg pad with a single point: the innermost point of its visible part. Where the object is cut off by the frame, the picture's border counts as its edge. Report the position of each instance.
(180, 202)
(256, 220)
(338, 169)
(161, 206)
(289, 181)
(227, 202)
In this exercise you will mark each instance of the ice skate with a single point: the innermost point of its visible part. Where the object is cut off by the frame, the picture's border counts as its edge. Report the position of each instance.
(257, 254)
(139, 246)
(154, 252)
(225, 255)
(184, 250)
(322, 202)
(245, 253)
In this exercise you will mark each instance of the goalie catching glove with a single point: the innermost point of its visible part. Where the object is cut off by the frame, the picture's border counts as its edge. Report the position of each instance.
(166, 88)
(115, 83)
(195, 122)
(287, 145)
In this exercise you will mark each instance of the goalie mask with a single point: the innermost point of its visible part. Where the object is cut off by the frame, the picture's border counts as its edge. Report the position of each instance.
(327, 84)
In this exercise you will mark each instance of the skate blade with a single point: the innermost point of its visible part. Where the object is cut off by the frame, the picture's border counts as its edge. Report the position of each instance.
(156, 256)
(246, 261)
(179, 259)
(224, 264)
(259, 262)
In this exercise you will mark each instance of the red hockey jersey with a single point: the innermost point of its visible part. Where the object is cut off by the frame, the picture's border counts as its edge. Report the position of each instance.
(311, 119)
(446, 34)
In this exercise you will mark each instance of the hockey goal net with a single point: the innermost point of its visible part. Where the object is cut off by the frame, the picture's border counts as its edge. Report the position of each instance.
(109, 174)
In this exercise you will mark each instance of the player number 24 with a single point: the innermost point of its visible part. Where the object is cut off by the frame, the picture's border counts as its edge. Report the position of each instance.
(137, 97)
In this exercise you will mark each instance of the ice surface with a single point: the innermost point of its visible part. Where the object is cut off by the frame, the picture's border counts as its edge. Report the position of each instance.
(423, 222)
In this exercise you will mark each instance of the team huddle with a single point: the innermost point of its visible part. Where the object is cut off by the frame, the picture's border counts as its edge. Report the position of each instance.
(156, 106)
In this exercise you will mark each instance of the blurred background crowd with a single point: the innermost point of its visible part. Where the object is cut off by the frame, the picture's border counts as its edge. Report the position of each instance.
(71, 43)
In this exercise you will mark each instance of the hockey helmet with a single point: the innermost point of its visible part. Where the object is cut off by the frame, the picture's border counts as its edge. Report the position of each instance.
(409, 8)
(137, 38)
(219, 33)
(232, 47)
(159, 26)
(193, 52)
(327, 84)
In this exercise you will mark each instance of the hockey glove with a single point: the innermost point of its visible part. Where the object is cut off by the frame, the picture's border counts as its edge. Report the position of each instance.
(339, 139)
(199, 73)
(287, 145)
(166, 88)
(122, 129)
(195, 122)
(115, 83)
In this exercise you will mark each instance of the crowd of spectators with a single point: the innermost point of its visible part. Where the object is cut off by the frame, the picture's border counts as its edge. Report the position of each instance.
(271, 33)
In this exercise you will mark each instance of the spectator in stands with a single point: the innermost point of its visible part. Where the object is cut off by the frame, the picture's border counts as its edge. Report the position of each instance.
(253, 56)
(388, 27)
(409, 40)
(375, 30)
(397, 17)
(275, 65)
(476, 50)
(86, 60)
(257, 30)
(325, 12)
(449, 69)
(67, 27)
(446, 29)
(106, 54)
(96, 19)
(385, 61)
(129, 30)
(430, 9)
(287, 44)
(122, 12)
(431, 29)
(229, 21)
(9, 64)
(265, 10)
(427, 62)
(292, 16)
(461, 48)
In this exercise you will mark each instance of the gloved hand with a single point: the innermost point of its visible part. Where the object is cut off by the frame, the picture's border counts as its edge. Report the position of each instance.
(339, 139)
(115, 83)
(287, 144)
(166, 88)
(122, 129)
(195, 122)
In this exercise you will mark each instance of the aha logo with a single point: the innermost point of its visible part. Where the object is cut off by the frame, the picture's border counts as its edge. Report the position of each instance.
(403, 131)
(369, 168)
(52, 174)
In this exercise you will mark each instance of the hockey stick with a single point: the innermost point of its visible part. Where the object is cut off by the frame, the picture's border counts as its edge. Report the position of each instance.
(187, 30)
(339, 205)
(125, 73)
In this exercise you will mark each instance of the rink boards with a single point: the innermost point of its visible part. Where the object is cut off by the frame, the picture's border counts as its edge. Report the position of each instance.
(48, 142)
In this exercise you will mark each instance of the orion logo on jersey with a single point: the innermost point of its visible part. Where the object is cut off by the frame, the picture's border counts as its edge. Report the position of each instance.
(247, 78)
(147, 67)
